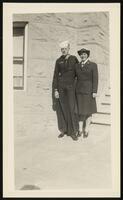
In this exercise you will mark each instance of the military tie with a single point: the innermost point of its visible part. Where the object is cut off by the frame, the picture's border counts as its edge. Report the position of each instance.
(82, 64)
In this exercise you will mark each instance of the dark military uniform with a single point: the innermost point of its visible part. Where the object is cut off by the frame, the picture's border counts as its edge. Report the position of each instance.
(87, 83)
(64, 82)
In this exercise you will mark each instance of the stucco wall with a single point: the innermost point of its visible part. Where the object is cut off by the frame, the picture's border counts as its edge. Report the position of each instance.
(45, 31)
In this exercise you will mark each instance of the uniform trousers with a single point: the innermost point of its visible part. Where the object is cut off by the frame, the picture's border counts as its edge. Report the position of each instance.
(67, 120)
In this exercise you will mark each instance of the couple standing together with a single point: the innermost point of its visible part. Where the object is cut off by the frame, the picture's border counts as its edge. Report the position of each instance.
(74, 91)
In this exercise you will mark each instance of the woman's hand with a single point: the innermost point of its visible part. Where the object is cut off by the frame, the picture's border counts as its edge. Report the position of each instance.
(56, 94)
(94, 95)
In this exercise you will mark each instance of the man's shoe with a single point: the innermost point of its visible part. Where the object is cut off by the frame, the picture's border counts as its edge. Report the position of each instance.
(61, 135)
(74, 137)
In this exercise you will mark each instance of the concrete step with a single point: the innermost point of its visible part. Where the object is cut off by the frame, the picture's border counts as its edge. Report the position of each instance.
(107, 92)
(99, 129)
(106, 103)
(107, 95)
(106, 99)
(101, 119)
(104, 112)
(103, 108)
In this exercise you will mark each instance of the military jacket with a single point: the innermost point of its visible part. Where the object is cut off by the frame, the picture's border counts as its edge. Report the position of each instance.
(87, 78)
(64, 73)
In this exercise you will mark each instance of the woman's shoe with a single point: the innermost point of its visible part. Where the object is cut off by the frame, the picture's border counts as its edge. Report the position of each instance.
(79, 133)
(85, 134)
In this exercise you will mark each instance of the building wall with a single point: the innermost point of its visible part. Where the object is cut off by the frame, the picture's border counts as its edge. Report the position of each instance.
(45, 31)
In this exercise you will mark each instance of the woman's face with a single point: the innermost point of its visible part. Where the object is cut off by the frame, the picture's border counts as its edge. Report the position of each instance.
(84, 56)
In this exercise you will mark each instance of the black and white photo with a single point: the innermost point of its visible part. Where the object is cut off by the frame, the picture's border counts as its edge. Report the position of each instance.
(61, 73)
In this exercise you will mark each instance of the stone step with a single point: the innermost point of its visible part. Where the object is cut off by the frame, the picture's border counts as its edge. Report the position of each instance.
(106, 99)
(106, 103)
(99, 128)
(107, 92)
(104, 108)
(101, 119)
(107, 95)
(104, 113)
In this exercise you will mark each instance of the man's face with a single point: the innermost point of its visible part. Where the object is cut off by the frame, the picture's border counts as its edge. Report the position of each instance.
(84, 56)
(65, 50)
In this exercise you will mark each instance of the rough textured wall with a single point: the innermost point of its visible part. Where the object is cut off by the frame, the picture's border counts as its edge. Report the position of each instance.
(45, 31)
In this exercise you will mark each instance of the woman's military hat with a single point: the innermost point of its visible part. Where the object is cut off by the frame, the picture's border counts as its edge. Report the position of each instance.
(83, 51)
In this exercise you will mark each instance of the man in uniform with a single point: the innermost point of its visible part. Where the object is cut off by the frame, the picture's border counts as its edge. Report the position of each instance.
(63, 92)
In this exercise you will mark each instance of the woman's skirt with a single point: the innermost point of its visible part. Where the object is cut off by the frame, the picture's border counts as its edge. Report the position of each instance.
(86, 105)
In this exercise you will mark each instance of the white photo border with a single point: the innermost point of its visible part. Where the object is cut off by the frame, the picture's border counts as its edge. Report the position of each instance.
(8, 134)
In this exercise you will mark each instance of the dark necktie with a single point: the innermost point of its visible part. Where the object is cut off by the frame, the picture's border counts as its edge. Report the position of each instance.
(82, 64)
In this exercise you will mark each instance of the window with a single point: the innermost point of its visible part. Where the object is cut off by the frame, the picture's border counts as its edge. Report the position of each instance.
(19, 54)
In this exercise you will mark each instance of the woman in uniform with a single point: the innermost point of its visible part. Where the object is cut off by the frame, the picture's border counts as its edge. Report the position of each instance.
(86, 91)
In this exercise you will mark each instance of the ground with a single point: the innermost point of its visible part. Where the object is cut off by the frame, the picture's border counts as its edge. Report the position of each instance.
(44, 161)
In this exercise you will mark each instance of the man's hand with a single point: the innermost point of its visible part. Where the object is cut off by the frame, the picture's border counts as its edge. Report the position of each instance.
(56, 94)
(94, 95)
(54, 107)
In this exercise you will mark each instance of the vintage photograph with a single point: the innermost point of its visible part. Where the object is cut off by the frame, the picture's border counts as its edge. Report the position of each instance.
(62, 100)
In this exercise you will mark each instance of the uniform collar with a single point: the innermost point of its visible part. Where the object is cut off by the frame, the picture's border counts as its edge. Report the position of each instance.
(86, 61)
(65, 57)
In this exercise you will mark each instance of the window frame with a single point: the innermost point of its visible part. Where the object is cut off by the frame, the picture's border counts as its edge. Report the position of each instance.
(21, 24)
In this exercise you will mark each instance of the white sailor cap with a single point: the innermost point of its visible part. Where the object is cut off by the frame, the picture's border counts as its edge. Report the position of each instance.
(64, 44)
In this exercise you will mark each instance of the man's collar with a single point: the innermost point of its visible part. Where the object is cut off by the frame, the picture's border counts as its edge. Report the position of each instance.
(65, 56)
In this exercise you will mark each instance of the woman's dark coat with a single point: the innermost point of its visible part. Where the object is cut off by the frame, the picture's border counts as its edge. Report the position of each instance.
(87, 84)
